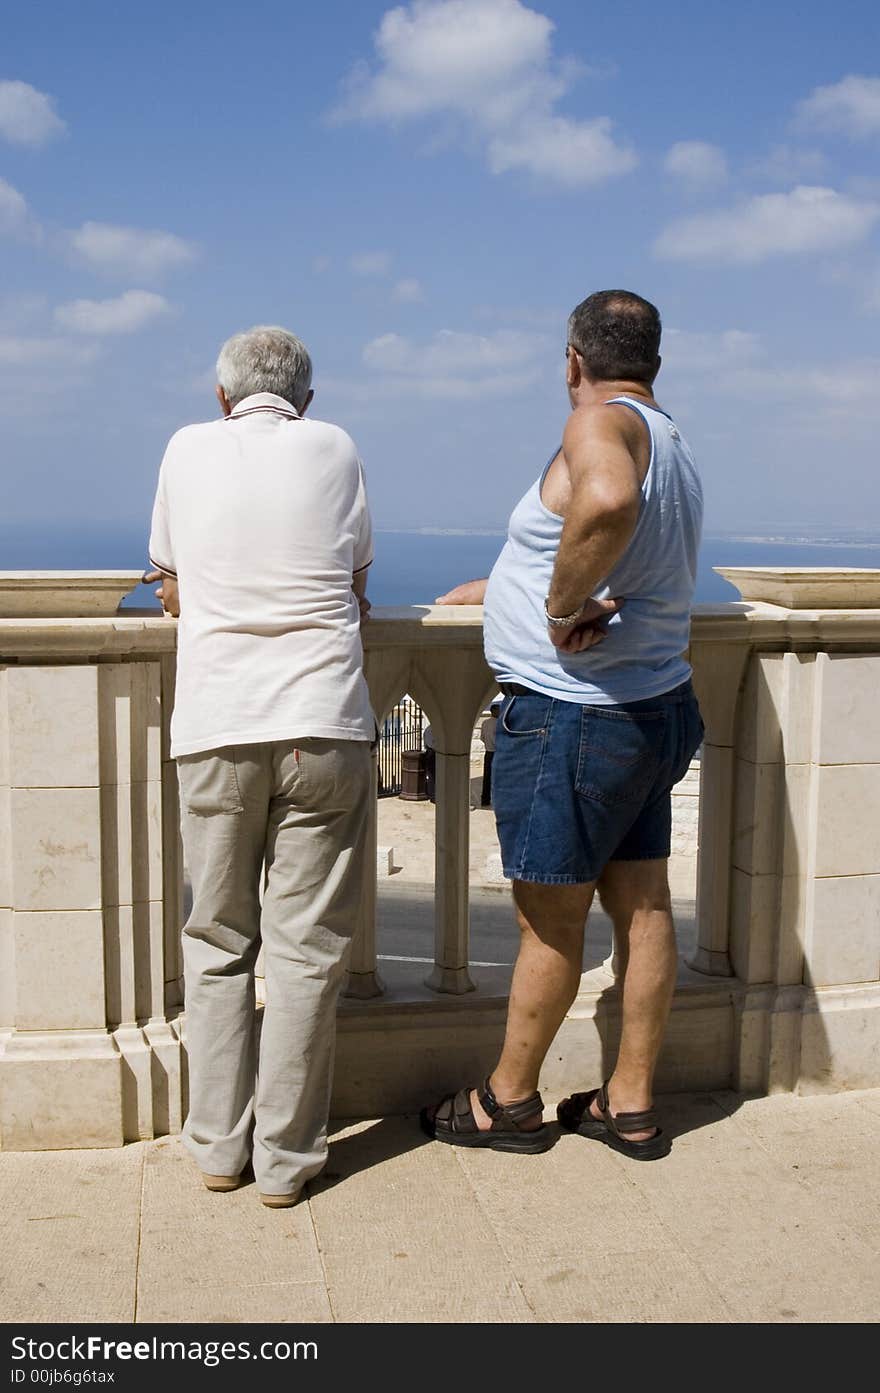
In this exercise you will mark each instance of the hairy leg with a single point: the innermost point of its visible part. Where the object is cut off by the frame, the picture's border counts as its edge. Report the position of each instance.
(545, 983)
(636, 896)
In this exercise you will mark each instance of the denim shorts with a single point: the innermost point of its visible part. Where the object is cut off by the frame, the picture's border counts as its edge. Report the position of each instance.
(574, 787)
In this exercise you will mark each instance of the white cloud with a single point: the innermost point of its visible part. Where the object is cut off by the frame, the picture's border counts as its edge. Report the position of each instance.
(851, 106)
(130, 250)
(370, 264)
(788, 164)
(15, 219)
(807, 219)
(572, 153)
(831, 392)
(408, 292)
(125, 315)
(27, 117)
(737, 364)
(488, 65)
(454, 365)
(685, 351)
(476, 56)
(845, 385)
(697, 163)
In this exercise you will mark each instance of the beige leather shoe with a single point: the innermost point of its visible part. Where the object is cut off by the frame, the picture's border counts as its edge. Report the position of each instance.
(281, 1201)
(221, 1183)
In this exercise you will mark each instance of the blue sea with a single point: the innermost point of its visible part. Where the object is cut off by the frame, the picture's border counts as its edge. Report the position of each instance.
(409, 567)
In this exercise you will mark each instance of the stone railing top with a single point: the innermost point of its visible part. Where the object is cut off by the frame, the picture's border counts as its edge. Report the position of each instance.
(63, 594)
(806, 587)
(148, 631)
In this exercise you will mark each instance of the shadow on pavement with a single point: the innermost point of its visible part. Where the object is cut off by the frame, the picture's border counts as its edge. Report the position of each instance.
(368, 1147)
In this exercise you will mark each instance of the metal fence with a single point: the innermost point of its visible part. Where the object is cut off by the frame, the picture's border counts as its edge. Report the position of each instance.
(402, 730)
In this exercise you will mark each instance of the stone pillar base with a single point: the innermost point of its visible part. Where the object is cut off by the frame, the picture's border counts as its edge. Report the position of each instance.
(96, 1089)
(91, 1088)
(60, 1090)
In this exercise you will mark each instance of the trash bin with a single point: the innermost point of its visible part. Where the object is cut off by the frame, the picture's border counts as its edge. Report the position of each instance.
(413, 776)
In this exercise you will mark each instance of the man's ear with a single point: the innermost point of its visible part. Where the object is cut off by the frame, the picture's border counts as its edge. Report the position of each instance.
(572, 370)
(225, 404)
(307, 403)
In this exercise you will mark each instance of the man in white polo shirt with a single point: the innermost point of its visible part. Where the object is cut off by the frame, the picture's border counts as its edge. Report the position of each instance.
(261, 533)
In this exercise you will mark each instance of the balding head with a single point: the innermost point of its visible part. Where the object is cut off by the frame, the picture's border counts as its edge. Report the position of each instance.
(617, 334)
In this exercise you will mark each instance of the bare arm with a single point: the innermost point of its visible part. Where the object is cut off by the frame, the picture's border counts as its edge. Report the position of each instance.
(472, 592)
(359, 586)
(601, 449)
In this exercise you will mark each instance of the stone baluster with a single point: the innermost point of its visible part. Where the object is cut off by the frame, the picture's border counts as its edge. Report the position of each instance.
(363, 978)
(453, 684)
(386, 671)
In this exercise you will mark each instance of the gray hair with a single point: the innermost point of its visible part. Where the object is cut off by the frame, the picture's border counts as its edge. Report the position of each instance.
(265, 359)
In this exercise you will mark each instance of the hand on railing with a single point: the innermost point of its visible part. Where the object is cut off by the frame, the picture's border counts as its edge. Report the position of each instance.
(167, 592)
(472, 592)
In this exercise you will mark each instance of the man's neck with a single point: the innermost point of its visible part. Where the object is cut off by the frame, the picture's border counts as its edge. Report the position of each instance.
(590, 393)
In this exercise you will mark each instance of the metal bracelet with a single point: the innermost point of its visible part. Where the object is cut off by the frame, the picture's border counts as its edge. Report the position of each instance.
(563, 621)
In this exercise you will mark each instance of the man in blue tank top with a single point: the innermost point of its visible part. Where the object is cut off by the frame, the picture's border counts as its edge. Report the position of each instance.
(586, 625)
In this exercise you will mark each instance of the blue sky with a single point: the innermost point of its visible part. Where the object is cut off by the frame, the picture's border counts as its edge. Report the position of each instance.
(423, 193)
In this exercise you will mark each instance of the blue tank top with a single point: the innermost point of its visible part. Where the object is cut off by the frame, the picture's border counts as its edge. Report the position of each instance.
(643, 655)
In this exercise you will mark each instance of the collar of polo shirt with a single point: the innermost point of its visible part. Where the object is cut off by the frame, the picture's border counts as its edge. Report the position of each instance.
(263, 401)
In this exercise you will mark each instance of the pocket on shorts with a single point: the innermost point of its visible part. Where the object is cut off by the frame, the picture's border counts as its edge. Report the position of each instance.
(620, 754)
(692, 733)
(525, 715)
(208, 783)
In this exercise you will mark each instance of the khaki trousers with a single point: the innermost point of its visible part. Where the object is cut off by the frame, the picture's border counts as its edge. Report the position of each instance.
(294, 815)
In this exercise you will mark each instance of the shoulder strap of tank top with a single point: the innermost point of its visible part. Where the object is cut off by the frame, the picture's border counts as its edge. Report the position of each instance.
(638, 406)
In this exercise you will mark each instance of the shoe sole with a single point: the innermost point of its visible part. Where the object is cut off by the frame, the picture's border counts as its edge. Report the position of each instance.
(280, 1201)
(222, 1184)
(654, 1149)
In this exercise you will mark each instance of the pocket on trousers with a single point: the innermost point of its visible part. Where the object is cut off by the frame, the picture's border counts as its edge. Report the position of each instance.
(620, 754)
(525, 715)
(333, 772)
(209, 783)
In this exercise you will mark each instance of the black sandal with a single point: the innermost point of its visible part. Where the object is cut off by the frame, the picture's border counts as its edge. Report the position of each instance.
(453, 1122)
(574, 1116)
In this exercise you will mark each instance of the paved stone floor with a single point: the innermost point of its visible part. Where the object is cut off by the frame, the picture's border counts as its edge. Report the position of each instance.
(766, 1210)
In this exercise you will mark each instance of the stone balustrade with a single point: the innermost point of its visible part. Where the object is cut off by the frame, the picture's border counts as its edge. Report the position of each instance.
(783, 989)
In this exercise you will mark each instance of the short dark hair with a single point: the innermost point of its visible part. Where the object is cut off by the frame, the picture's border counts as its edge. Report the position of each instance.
(617, 334)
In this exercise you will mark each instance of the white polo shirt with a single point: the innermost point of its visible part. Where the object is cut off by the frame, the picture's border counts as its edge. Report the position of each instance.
(263, 519)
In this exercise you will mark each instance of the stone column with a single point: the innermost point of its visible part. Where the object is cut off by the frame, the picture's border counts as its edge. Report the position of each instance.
(831, 885)
(62, 1070)
(85, 866)
(718, 670)
(805, 886)
(7, 947)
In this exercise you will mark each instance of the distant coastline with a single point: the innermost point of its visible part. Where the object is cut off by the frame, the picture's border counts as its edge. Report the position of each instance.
(853, 539)
(414, 565)
(443, 531)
